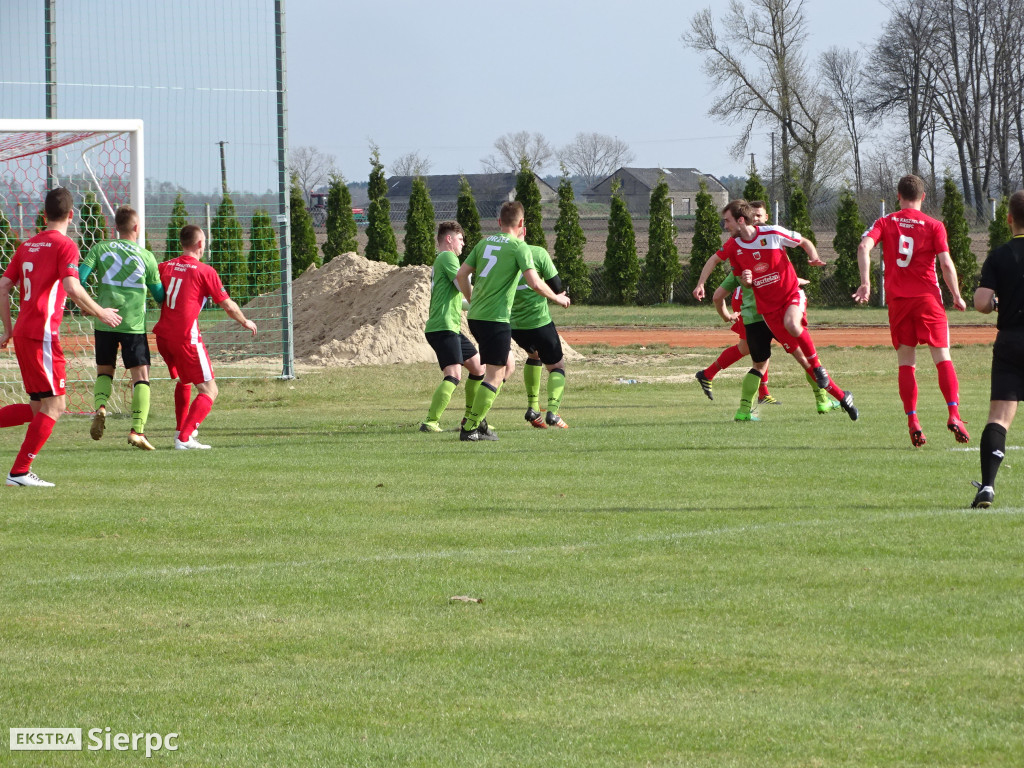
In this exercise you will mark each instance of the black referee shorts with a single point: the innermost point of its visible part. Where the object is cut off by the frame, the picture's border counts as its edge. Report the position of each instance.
(543, 340)
(450, 347)
(495, 340)
(1008, 365)
(134, 348)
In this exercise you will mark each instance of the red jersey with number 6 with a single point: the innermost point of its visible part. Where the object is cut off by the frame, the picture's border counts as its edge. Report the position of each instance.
(38, 268)
(910, 242)
(187, 282)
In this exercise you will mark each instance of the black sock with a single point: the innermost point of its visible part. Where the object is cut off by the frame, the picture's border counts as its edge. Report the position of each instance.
(993, 447)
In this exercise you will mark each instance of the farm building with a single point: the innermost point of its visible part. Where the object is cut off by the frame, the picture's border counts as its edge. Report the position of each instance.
(490, 190)
(637, 184)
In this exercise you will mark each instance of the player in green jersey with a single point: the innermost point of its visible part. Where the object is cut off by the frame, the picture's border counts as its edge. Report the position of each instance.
(497, 261)
(125, 271)
(444, 325)
(534, 331)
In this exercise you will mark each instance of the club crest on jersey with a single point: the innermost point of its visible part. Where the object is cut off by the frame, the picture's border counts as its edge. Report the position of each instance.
(756, 255)
(764, 242)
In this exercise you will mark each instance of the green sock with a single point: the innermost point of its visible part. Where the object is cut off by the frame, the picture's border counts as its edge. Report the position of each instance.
(472, 385)
(819, 394)
(101, 391)
(140, 406)
(441, 398)
(556, 386)
(531, 377)
(481, 405)
(748, 389)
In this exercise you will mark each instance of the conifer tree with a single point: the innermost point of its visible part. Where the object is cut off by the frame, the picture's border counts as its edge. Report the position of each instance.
(999, 231)
(958, 235)
(468, 216)
(304, 251)
(849, 228)
(92, 225)
(420, 242)
(621, 266)
(179, 218)
(569, 242)
(380, 237)
(707, 239)
(528, 194)
(661, 266)
(754, 189)
(7, 246)
(227, 250)
(800, 221)
(264, 255)
(341, 224)
(41, 220)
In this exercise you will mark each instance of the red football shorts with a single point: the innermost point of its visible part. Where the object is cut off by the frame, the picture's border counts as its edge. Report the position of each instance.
(775, 320)
(42, 365)
(739, 328)
(186, 361)
(920, 320)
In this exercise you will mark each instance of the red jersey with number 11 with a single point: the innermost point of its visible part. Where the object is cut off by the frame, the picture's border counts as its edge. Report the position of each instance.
(38, 268)
(187, 282)
(910, 242)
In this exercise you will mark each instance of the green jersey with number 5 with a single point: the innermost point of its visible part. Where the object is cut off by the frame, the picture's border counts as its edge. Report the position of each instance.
(498, 262)
(123, 269)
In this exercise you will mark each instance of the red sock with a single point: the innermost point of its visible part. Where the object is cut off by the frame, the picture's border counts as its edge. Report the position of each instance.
(38, 433)
(727, 358)
(807, 347)
(950, 387)
(908, 389)
(762, 391)
(15, 415)
(182, 396)
(200, 410)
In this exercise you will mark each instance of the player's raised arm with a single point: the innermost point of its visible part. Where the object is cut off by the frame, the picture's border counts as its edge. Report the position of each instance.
(709, 266)
(235, 313)
(108, 315)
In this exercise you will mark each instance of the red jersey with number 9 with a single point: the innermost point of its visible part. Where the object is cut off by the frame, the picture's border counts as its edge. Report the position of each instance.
(38, 268)
(910, 242)
(187, 282)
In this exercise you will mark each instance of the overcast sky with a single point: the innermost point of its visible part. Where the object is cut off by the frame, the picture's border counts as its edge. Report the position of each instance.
(445, 79)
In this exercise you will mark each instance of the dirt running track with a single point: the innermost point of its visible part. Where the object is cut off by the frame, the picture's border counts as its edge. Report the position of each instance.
(861, 336)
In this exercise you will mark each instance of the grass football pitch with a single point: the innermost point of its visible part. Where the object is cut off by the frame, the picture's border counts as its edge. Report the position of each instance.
(660, 586)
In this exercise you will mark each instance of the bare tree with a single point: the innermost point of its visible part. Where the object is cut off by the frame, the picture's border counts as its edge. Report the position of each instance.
(766, 81)
(593, 156)
(312, 167)
(843, 72)
(511, 148)
(411, 164)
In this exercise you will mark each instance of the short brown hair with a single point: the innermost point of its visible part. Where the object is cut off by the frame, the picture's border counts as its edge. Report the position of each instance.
(511, 212)
(58, 204)
(1017, 208)
(910, 188)
(190, 236)
(446, 228)
(125, 219)
(740, 209)
(757, 204)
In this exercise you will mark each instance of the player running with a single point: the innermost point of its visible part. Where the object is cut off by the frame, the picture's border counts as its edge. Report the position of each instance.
(911, 243)
(124, 272)
(187, 281)
(497, 262)
(444, 327)
(535, 332)
(45, 268)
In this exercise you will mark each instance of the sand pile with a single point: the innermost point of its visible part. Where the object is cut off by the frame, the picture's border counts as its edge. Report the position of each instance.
(351, 311)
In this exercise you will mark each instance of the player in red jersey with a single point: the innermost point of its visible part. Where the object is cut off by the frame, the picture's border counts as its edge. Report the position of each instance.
(911, 243)
(187, 282)
(758, 258)
(45, 268)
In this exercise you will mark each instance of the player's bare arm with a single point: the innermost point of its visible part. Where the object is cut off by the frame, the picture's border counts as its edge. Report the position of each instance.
(462, 281)
(235, 313)
(720, 300)
(533, 280)
(709, 267)
(813, 258)
(108, 315)
(985, 301)
(5, 310)
(950, 278)
(863, 292)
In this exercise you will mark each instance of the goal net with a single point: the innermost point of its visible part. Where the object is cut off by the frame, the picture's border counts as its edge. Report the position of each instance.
(101, 163)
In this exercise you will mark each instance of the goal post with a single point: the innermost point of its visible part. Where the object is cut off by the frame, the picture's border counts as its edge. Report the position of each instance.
(101, 162)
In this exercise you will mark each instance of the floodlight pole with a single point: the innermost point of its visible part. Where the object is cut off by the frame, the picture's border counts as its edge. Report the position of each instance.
(50, 63)
(284, 227)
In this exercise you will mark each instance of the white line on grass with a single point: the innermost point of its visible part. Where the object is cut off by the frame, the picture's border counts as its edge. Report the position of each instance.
(451, 554)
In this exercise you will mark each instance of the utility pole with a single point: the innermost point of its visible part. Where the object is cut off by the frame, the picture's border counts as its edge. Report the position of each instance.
(773, 167)
(223, 169)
